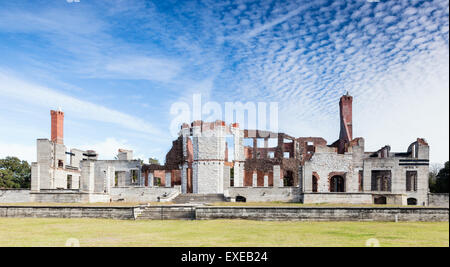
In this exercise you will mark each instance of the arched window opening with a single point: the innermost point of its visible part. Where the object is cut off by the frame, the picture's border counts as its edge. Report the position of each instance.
(412, 201)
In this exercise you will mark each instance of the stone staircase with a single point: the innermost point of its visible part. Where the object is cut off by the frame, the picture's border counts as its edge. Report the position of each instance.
(198, 198)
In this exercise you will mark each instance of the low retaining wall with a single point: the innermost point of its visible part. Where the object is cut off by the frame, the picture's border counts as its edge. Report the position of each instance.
(141, 194)
(167, 213)
(251, 213)
(324, 213)
(265, 194)
(438, 200)
(68, 212)
(343, 198)
(14, 195)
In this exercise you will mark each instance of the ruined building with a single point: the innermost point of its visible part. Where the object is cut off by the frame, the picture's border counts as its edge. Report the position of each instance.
(304, 169)
(76, 175)
(234, 164)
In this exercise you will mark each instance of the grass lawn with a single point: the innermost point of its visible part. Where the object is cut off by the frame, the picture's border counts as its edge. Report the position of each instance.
(104, 232)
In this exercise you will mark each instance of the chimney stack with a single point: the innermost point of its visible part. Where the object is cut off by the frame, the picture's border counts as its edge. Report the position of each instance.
(345, 108)
(57, 126)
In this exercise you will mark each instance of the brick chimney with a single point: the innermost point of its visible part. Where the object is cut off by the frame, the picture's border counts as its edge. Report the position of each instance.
(345, 108)
(57, 126)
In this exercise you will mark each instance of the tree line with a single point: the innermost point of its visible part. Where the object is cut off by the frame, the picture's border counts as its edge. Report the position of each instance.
(438, 178)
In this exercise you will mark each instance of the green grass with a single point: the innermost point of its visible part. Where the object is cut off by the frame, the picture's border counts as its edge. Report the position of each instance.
(103, 232)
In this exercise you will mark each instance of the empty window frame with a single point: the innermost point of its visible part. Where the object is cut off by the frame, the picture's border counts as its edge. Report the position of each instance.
(381, 181)
(411, 181)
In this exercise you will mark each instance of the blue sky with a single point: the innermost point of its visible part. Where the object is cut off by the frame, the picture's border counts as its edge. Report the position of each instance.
(116, 67)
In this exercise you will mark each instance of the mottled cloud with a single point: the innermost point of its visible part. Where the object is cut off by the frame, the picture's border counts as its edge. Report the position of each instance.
(16, 89)
(392, 56)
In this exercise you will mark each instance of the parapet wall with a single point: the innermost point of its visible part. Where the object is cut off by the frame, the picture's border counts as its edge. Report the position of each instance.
(141, 194)
(266, 194)
(68, 197)
(341, 198)
(127, 194)
(14, 195)
(438, 200)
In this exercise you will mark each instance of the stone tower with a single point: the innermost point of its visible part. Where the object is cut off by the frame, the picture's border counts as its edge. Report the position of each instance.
(209, 157)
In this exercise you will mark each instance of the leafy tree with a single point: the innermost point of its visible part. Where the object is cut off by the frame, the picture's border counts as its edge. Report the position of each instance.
(432, 182)
(7, 179)
(442, 185)
(153, 161)
(432, 176)
(14, 173)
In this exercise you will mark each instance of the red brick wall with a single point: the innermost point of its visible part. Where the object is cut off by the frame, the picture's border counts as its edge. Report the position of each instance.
(260, 178)
(248, 178)
(160, 174)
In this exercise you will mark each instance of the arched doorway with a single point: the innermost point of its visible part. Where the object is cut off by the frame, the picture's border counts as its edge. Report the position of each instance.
(337, 184)
(412, 201)
(315, 184)
(381, 200)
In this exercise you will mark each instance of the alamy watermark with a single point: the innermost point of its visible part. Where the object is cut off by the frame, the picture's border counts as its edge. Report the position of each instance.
(261, 116)
(72, 242)
(372, 242)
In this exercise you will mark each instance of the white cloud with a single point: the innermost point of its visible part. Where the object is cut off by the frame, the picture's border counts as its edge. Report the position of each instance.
(19, 90)
(274, 22)
(21, 151)
(145, 68)
(108, 148)
(396, 66)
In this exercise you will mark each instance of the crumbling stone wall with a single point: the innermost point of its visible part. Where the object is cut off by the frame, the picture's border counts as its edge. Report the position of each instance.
(324, 164)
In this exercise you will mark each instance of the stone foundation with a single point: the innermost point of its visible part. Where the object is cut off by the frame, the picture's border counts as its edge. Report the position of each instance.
(14, 195)
(141, 194)
(438, 200)
(265, 194)
(340, 198)
(68, 197)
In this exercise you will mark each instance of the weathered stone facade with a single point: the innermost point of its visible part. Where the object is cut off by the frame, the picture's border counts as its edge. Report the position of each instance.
(84, 178)
(342, 172)
(263, 166)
